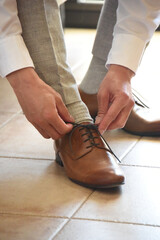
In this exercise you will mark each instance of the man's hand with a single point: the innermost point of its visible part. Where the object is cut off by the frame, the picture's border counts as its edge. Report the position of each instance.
(42, 106)
(115, 100)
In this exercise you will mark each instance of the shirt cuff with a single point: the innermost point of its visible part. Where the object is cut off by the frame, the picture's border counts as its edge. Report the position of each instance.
(13, 55)
(127, 50)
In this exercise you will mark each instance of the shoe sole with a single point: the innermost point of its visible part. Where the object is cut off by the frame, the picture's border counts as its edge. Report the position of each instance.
(143, 134)
(59, 162)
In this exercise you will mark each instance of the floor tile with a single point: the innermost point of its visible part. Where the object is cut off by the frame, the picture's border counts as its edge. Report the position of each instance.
(8, 100)
(78, 47)
(38, 188)
(20, 139)
(120, 142)
(14, 227)
(86, 230)
(135, 202)
(145, 153)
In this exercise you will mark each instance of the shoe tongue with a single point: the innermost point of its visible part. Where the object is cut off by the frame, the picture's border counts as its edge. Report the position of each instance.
(83, 140)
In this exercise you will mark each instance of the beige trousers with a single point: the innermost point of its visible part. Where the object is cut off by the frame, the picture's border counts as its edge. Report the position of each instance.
(43, 36)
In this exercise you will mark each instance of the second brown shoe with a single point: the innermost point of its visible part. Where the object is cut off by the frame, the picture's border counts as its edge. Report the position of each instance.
(87, 159)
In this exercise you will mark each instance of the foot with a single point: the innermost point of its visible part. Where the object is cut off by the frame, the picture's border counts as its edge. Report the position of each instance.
(140, 122)
(87, 159)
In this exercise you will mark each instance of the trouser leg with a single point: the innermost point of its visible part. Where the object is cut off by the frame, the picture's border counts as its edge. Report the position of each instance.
(102, 45)
(43, 35)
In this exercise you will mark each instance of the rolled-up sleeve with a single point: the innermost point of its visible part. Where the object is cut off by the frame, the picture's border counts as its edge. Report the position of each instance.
(14, 54)
(136, 22)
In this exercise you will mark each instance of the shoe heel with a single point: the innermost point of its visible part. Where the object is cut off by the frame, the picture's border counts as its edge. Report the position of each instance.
(58, 160)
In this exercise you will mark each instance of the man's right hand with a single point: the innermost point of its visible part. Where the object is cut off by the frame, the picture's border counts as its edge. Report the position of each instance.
(41, 104)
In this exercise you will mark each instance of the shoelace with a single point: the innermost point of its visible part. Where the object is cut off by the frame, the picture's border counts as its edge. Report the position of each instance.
(139, 102)
(90, 128)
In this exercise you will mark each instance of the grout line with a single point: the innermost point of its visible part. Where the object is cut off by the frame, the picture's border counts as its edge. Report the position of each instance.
(73, 214)
(52, 160)
(10, 119)
(141, 166)
(61, 229)
(82, 204)
(32, 215)
(29, 158)
(112, 221)
(130, 149)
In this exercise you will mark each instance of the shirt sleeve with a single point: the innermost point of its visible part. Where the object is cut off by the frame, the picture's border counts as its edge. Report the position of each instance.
(14, 54)
(136, 22)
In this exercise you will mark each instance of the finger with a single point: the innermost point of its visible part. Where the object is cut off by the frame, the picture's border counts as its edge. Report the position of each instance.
(42, 132)
(111, 115)
(47, 130)
(51, 131)
(59, 125)
(121, 119)
(103, 104)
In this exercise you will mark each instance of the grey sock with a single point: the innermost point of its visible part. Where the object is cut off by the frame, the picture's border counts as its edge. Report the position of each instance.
(94, 76)
(79, 112)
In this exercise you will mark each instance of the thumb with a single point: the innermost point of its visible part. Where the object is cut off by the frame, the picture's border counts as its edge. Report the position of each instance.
(64, 113)
(102, 108)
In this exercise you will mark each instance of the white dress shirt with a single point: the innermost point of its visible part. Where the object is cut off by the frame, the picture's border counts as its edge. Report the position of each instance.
(136, 23)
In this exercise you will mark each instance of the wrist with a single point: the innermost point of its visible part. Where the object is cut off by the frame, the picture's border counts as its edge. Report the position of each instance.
(22, 76)
(121, 70)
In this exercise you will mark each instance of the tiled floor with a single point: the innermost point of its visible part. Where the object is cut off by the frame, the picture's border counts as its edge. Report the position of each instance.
(38, 202)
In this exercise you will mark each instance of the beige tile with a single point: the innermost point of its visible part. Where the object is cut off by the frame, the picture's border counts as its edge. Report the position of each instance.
(86, 230)
(27, 227)
(20, 139)
(79, 44)
(120, 142)
(8, 100)
(38, 188)
(145, 153)
(136, 202)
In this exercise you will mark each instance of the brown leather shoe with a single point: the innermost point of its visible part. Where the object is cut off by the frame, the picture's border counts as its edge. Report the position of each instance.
(87, 159)
(140, 122)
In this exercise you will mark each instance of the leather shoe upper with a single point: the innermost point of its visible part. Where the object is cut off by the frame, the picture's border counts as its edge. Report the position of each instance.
(86, 158)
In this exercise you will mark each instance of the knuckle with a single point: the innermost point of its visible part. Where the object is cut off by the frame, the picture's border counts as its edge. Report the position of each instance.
(131, 102)
(47, 115)
(58, 97)
(125, 97)
(39, 121)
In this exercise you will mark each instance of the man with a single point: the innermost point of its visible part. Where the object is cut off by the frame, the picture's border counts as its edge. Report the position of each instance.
(49, 97)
